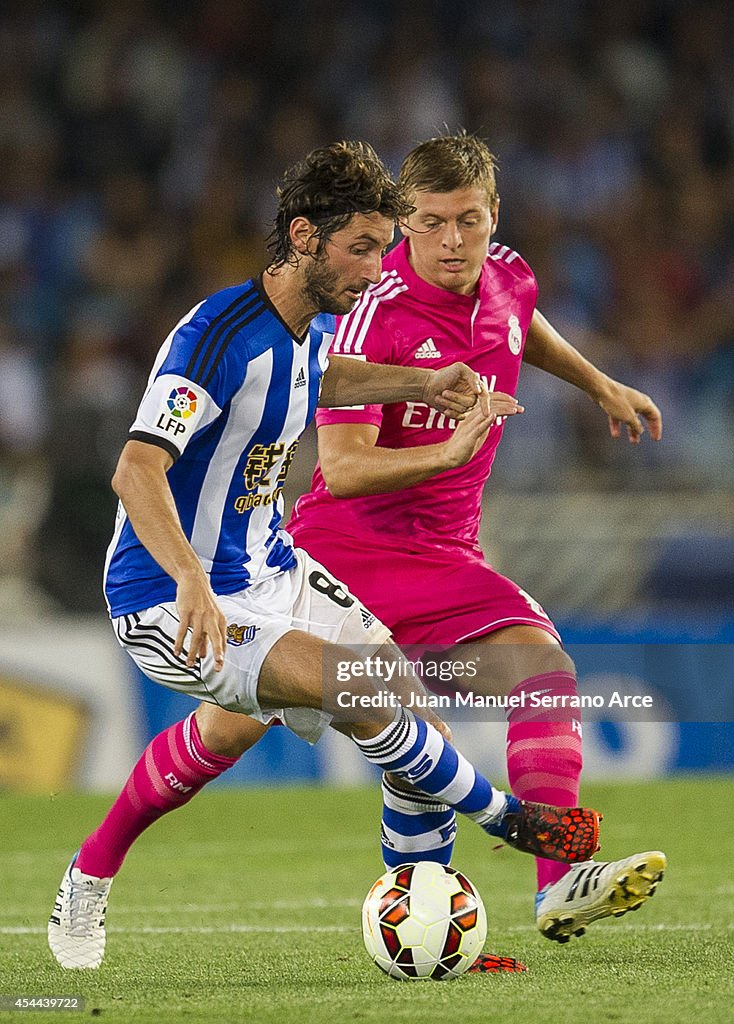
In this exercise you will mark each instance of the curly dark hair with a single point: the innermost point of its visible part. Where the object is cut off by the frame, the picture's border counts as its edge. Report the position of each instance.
(328, 187)
(449, 162)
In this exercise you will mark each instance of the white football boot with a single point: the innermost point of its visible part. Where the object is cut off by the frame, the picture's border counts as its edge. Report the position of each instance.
(595, 889)
(76, 932)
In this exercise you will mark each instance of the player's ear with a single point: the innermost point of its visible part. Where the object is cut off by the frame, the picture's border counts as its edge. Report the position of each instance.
(404, 224)
(494, 213)
(301, 233)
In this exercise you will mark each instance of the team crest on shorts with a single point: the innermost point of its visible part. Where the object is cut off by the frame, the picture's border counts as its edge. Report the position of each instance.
(514, 335)
(239, 635)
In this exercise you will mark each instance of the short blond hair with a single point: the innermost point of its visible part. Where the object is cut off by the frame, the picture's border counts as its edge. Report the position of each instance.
(449, 162)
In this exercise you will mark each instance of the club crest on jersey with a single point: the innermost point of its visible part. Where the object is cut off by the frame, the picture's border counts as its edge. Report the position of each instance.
(427, 350)
(239, 635)
(514, 335)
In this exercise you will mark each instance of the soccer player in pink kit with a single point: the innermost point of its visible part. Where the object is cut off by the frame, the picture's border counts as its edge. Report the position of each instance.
(403, 485)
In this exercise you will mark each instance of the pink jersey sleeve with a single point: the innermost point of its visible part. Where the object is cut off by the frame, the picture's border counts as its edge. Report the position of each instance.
(359, 335)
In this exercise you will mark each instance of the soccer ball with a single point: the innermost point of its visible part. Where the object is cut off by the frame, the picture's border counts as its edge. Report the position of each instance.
(423, 921)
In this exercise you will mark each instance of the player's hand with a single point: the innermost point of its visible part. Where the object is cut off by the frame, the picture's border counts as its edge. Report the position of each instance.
(472, 430)
(623, 404)
(199, 612)
(452, 389)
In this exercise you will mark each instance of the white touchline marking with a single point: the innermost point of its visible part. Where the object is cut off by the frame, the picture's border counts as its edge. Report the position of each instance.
(696, 926)
(305, 929)
(197, 930)
(215, 908)
(246, 905)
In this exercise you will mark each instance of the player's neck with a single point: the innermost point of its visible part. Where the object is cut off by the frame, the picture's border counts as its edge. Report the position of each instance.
(284, 287)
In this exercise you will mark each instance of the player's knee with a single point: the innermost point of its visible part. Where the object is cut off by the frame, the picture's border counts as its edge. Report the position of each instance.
(551, 658)
(541, 659)
(227, 733)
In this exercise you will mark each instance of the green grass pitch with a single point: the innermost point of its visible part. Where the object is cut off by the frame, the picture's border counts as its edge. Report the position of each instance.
(245, 906)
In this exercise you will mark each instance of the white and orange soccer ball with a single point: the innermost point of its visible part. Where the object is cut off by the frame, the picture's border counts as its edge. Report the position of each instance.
(423, 921)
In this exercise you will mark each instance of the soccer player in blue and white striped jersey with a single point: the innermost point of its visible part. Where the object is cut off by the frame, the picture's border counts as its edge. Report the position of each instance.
(206, 591)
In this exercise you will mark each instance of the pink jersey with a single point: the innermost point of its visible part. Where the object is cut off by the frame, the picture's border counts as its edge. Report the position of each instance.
(404, 320)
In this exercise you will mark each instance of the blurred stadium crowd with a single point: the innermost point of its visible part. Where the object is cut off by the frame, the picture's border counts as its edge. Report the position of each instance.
(140, 141)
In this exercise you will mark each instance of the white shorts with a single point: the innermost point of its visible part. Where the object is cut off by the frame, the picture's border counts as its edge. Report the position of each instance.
(306, 597)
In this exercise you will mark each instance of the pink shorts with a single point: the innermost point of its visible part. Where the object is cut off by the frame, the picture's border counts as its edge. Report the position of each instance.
(436, 597)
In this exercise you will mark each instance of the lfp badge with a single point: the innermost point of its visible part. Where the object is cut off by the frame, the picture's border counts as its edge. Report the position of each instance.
(182, 403)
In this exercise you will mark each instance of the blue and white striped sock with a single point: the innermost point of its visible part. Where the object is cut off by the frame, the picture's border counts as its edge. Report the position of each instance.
(415, 751)
(415, 827)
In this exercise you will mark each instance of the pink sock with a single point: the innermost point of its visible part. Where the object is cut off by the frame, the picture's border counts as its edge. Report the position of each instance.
(171, 770)
(544, 753)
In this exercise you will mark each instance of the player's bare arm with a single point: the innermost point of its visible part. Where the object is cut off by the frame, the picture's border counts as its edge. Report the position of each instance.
(549, 351)
(141, 484)
(352, 465)
(453, 389)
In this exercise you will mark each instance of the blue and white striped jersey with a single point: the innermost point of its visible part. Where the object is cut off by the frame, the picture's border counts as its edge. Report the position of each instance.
(230, 393)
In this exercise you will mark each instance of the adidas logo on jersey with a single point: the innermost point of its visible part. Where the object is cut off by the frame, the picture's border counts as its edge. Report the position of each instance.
(300, 381)
(367, 618)
(427, 350)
